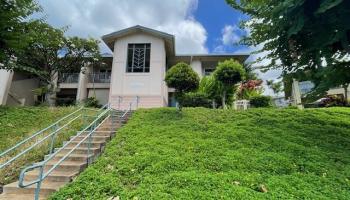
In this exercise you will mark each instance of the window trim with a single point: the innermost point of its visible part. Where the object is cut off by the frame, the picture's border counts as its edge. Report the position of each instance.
(147, 46)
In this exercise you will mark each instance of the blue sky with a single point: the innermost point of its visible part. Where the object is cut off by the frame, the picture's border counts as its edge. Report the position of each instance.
(199, 26)
(214, 15)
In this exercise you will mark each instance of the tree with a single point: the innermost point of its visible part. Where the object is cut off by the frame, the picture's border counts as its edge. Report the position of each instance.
(12, 27)
(49, 53)
(276, 87)
(229, 73)
(182, 77)
(300, 35)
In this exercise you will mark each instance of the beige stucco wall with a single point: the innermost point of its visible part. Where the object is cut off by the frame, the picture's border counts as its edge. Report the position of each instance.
(22, 90)
(101, 95)
(145, 85)
(5, 84)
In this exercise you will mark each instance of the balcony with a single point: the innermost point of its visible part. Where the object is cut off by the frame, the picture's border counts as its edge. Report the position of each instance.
(100, 77)
(68, 78)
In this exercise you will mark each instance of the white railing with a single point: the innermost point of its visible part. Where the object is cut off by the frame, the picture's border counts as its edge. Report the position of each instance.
(241, 105)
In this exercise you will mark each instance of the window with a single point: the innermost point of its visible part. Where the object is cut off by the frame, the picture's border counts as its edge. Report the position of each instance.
(138, 58)
(208, 71)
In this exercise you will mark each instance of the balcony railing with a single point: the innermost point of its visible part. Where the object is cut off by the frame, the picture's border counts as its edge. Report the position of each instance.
(100, 77)
(68, 78)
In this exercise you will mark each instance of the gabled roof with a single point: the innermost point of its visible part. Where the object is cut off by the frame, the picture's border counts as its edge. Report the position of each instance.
(109, 39)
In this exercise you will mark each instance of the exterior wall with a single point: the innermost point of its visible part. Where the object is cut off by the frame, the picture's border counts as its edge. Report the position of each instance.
(337, 91)
(21, 92)
(101, 95)
(150, 87)
(5, 84)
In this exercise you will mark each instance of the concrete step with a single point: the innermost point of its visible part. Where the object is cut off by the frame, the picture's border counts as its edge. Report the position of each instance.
(54, 176)
(21, 197)
(79, 150)
(99, 133)
(72, 166)
(94, 144)
(94, 138)
(46, 188)
(71, 157)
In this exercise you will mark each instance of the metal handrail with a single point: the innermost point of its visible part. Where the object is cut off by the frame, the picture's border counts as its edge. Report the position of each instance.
(52, 134)
(137, 98)
(55, 124)
(41, 176)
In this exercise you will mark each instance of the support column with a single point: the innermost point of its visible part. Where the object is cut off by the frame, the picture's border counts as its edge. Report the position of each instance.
(5, 84)
(82, 92)
(296, 94)
(197, 67)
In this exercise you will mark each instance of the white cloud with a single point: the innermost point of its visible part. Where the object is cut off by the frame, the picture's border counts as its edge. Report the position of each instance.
(230, 35)
(96, 18)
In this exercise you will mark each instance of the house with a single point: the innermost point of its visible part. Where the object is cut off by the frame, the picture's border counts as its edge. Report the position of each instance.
(135, 71)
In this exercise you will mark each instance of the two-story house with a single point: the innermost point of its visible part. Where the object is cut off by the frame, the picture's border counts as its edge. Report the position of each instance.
(136, 69)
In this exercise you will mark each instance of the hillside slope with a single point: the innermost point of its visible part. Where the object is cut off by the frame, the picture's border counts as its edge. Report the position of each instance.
(17, 123)
(215, 154)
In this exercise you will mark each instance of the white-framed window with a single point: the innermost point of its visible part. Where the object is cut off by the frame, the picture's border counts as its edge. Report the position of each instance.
(138, 58)
(208, 71)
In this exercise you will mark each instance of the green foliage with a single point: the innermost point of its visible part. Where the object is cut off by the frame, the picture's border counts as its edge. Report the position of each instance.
(183, 79)
(301, 36)
(211, 87)
(261, 101)
(222, 154)
(197, 99)
(276, 87)
(12, 27)
(228, 73)
(17, 123)
(91, 102)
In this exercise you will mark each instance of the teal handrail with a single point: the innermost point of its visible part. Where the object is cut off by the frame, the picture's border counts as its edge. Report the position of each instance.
(56, 127)
(41, 176)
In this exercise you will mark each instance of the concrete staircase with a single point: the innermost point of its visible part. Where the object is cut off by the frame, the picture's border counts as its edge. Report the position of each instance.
(75, 163)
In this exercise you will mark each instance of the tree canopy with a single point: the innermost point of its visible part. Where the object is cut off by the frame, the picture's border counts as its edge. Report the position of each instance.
(301, 35)
(182, 77)
(12, 27)
(229, 73)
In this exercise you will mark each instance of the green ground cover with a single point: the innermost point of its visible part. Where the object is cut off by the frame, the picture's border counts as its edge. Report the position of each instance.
(17, 123)
(216, 154)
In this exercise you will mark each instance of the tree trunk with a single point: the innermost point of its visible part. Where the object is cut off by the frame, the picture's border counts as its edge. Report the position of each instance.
(51, 98)
(52, 89)
(346, 93)
(224, 100)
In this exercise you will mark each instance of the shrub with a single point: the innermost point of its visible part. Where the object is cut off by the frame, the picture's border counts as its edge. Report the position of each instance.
(197, 99)
(229, 73)
(261, 101)
(183, 79)
(91, 102)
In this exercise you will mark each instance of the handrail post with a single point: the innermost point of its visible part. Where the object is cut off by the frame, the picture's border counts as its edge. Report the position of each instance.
(137, 101)
(38, 185)
(55, 127)
(89, 142)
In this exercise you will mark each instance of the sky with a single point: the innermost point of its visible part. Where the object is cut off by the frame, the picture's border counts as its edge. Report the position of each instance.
(199, 26)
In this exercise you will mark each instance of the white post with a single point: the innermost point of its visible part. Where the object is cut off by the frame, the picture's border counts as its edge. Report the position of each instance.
(296, 94)
(82, 84)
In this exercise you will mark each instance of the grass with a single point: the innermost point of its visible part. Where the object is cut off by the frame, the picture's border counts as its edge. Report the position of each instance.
(17, 123)
(215, 154)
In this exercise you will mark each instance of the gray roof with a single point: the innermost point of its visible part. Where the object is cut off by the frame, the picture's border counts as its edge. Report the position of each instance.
(109, 39)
